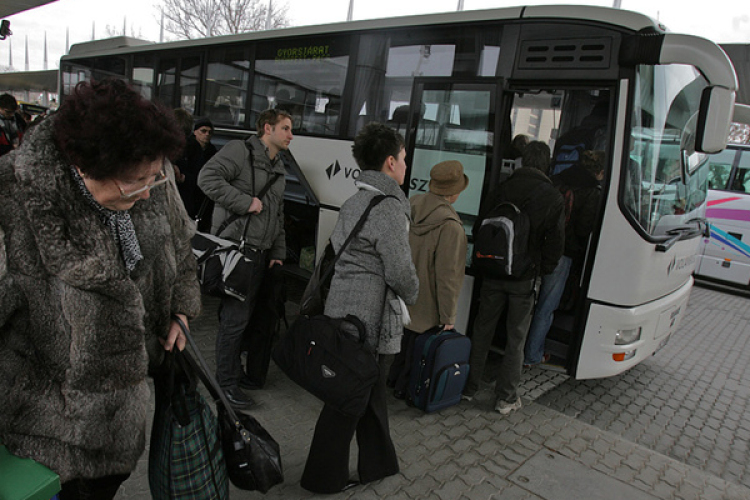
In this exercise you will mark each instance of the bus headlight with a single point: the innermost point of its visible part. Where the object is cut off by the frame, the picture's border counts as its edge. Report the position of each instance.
(625, 337)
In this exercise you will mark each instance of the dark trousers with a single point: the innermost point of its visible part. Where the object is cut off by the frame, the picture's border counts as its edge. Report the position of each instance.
(234, 316)
(102, 488)
(495, 296)
(327, 467)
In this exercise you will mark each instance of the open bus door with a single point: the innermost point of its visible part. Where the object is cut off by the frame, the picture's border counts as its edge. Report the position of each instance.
(449, 120)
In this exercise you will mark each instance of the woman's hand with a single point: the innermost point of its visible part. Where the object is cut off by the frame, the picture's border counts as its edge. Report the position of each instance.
(175, 335)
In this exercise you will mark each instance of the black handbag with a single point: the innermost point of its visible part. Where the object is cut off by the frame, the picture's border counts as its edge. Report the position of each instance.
(185, 460)
(252, 456)
(319, 354)
(313, 299)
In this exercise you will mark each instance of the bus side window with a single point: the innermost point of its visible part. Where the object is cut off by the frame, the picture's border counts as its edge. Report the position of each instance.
(719, 168)
(741, 176)
(741, 182)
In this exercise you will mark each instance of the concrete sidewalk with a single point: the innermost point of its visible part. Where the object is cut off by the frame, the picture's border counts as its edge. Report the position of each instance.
(471, 452)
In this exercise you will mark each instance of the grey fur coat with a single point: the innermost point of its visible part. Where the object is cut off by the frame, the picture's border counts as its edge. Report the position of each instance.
(77, 332)
(377, 266)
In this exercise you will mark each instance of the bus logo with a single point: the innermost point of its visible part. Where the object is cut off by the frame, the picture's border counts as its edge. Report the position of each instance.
(680, 264)
(335, 168)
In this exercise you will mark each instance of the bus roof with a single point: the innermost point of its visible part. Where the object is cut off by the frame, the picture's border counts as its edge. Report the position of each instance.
(622, 18)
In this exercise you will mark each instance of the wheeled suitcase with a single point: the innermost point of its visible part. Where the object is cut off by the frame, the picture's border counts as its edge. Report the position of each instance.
(440, 368)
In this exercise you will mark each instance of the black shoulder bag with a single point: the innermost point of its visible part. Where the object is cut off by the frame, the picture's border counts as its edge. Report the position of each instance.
(252, 456)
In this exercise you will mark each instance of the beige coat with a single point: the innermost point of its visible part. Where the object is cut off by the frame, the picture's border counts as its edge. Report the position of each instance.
(438, 248)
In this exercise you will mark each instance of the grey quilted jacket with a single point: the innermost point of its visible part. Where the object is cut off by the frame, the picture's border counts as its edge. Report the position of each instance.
(227, 179)
(376, 268)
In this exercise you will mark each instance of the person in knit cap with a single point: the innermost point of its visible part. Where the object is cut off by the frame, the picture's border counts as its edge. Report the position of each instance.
(438, 248)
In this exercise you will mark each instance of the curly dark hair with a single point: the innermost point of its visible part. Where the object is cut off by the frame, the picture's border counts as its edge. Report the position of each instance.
(106, 128)
(374, 144)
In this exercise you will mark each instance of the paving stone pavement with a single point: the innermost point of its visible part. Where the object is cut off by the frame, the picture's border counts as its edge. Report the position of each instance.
(673, 427)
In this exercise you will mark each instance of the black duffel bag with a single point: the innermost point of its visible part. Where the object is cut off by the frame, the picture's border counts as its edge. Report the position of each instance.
(319, 354)
(223, 268)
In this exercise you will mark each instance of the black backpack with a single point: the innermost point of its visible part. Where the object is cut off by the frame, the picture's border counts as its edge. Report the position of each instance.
(501, 242)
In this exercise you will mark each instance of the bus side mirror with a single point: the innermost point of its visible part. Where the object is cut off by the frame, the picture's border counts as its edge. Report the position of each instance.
(714, 119)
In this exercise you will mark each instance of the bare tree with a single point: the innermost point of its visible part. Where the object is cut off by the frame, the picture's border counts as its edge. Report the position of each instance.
(204, 18)
(112, 31)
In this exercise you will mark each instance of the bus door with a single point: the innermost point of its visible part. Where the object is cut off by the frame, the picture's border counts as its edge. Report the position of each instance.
(449, 120)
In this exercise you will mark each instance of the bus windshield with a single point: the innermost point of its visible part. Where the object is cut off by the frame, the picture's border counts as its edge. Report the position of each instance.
(658, 192)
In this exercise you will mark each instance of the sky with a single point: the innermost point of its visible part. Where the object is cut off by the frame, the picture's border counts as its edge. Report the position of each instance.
(722, 21)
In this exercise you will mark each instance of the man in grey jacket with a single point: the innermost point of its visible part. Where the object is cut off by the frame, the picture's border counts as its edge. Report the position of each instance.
(232, 178)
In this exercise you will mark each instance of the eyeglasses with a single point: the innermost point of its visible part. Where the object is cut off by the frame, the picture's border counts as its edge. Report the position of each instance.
(159, 179)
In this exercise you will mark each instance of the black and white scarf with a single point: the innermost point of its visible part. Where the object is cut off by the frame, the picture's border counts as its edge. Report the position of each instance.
(119, 223)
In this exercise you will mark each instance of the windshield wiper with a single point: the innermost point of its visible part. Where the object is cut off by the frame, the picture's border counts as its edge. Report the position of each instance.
(683, 233)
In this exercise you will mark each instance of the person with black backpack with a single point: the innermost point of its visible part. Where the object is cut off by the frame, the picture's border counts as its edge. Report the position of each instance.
(510, 285)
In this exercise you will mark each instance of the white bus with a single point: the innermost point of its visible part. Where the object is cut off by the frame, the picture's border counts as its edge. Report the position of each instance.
(724, 256)
(460, 86)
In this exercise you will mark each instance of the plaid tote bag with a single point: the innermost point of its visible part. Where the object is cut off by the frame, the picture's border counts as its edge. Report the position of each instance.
(186, 460)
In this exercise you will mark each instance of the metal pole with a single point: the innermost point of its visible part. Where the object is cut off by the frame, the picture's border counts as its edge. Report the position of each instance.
(269, 23)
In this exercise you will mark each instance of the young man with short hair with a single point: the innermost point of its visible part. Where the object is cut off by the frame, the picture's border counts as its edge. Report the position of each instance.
(232, 179)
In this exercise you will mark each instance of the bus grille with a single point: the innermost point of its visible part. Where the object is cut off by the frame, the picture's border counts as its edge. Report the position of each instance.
(589, 53)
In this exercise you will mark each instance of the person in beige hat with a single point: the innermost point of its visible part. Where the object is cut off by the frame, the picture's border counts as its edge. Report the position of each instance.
(438, 248)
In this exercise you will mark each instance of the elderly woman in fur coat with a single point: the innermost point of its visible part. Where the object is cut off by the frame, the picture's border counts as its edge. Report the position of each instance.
(373, 280)
(95, 258)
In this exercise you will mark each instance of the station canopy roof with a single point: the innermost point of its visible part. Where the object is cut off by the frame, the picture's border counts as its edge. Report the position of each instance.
(10, 7)
(38, 81)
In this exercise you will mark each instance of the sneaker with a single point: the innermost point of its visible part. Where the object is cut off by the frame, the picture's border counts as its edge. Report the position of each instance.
(467, 397)
(504, 408)
(545, 359)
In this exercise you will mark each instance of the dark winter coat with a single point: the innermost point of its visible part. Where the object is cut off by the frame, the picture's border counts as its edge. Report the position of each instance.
(587, 192)
(546, 214)
(376, 266)
(77, 332)
(190, 166)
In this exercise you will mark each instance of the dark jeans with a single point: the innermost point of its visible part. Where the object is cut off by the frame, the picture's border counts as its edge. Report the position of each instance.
(234, 316)
(495, 296)
(327, 466)
(102, 488)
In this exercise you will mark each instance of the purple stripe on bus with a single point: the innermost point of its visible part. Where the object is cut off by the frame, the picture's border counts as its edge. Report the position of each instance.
(728, 214)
